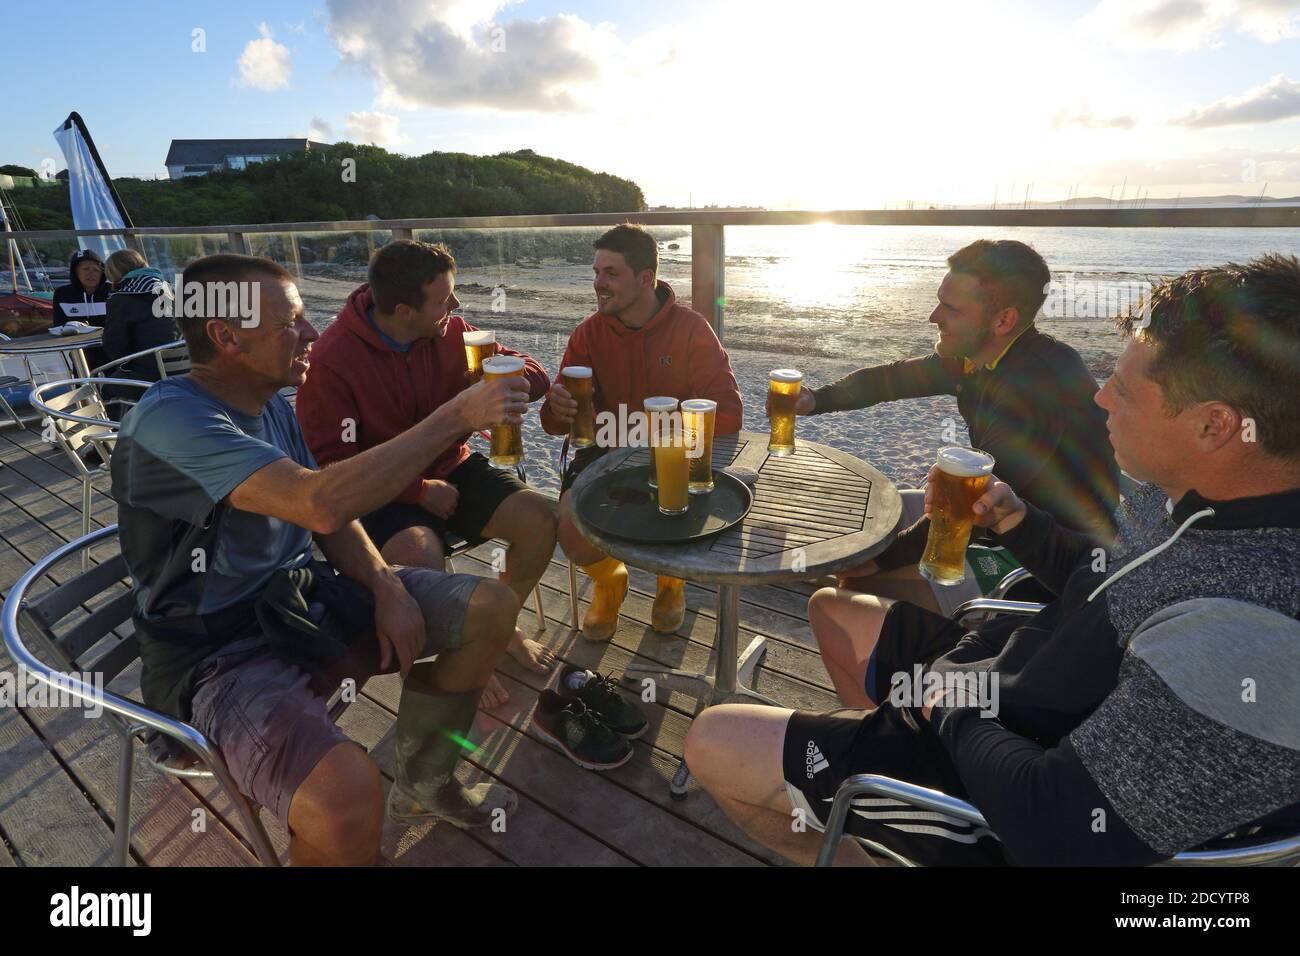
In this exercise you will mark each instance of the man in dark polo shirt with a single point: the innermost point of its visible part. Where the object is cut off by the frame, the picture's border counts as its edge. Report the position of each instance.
(244, 633)
(1027, 400)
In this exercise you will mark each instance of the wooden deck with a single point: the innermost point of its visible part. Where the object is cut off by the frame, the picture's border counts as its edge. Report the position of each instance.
(58, 769)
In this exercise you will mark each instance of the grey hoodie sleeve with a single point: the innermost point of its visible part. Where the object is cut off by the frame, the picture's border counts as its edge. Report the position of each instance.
(1200, 737)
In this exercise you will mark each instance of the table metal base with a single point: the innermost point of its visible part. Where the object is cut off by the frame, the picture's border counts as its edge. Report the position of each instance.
(729, 670)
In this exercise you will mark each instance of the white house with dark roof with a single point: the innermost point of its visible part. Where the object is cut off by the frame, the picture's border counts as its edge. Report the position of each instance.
(198, 157)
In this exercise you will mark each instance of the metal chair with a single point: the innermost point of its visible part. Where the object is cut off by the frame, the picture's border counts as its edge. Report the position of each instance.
(89, 644)
(171, 359)
(78, 422)
(1249, 850)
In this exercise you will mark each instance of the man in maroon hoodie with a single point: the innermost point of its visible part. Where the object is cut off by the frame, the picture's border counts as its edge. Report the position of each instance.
(639, 342)
(394, 354)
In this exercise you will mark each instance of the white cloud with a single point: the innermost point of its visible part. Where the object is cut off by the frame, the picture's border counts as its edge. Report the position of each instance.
(265, 64)
(1278, 99)
(1184, 25)
(320, 130)
(379, 129)
(454, 54)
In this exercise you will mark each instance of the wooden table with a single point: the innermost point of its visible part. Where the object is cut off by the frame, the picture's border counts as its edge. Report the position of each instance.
(815, 512)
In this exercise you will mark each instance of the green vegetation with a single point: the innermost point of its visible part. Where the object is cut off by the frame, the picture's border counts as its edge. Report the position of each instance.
(312, 188)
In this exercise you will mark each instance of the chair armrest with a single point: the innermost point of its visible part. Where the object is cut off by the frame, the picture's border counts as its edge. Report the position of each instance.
(863, 784)
(1011, 579)
(995, 606)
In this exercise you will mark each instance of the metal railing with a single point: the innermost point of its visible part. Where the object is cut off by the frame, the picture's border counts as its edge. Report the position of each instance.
(708, 226)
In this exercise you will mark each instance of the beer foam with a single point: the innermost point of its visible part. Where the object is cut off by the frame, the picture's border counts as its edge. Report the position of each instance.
(786, 375)
(479, 337)
(503, 365)
(660, 403)
(699, 405)
(964, 462)
(576, 371)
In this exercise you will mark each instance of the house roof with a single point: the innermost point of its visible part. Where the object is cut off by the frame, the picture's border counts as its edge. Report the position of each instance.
(213, 152)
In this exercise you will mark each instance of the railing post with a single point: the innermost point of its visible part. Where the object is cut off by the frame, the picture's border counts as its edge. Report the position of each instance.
(297, 257)
(238, 243)
(400, 233)
(708, 273)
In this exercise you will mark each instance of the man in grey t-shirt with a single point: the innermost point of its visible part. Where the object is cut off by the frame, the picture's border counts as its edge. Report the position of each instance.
(243, 632)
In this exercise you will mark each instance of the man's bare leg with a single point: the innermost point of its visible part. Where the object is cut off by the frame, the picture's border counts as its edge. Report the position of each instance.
(847, 627)
(337, 814)
(527, 522)
(420, 547)
(900, 584)
(735, 752)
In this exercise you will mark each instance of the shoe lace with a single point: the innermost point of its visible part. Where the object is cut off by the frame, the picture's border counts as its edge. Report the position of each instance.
(578, 709)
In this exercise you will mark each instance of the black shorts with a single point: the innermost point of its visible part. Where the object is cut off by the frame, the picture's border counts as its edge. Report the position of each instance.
(822, 750)
(581, 459)
(909, 635)
(482, 488)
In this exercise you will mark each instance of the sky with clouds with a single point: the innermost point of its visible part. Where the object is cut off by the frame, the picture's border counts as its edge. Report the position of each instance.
(820, 104)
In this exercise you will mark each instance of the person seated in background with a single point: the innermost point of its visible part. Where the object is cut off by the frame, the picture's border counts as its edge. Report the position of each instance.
(394, 355)
(244, 634)
(640, 342)
(138, 318)
(1130, 719)
(1027, 400)
(84, 298)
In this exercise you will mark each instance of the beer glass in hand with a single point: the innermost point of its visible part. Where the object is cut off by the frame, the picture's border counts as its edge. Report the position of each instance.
(961, 476)
(698, 415)
(784, 385)
(479, 345)
(577, 382)
(656, 407)
(668, 443)
(507, 446)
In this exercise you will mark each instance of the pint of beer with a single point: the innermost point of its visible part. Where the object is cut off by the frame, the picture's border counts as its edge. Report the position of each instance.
(577, 382)
(658, 410)
(672, 470)
(784, 385)
(507, 447)
(962, 476)
(698, 415)
(479, 345)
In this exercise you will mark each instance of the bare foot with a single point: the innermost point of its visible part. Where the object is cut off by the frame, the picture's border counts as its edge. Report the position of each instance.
(494, 693)
(534, 656)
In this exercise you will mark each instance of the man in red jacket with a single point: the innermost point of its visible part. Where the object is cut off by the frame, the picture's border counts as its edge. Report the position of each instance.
(638, 343)
(394, 354)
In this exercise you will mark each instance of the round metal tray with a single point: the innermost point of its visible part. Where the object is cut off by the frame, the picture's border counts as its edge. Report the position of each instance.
(620, 503)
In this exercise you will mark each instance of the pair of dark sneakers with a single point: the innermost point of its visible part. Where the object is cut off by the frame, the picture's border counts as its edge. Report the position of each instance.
(589, 720)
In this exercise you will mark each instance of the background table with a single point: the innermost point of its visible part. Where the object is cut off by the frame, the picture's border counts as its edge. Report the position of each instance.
(817, 511)
(45, 344)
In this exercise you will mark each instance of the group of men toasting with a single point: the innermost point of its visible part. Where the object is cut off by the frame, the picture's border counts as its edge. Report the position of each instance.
(374, 465)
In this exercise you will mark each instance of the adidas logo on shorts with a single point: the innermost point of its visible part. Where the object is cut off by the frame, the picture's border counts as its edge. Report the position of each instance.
(814, 760)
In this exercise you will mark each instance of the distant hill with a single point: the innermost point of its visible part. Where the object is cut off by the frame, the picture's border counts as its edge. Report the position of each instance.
(312, 188)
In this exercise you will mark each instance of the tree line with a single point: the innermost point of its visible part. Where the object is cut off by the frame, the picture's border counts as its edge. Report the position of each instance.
(345, 181)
